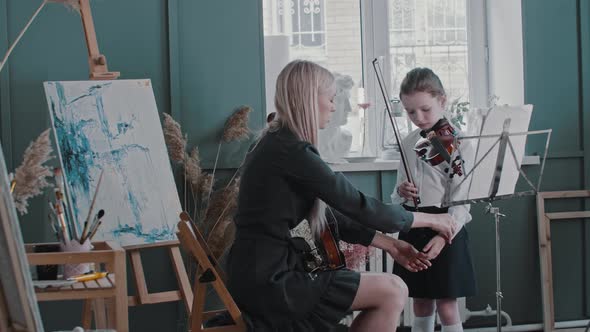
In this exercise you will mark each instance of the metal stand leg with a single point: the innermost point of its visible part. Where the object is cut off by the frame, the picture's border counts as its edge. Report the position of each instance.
(496, 212)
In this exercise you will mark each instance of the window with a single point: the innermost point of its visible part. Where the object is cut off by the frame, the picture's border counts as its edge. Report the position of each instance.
(430, 33)
(449, 36)
(304, 21)
(335, 44)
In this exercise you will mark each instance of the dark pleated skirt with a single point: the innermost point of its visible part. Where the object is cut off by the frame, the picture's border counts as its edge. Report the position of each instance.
(451, 274)
(334, 304)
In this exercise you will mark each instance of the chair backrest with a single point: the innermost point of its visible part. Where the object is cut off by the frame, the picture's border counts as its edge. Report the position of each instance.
(193, 241)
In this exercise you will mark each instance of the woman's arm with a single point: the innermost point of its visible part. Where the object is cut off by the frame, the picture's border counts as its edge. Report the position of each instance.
(349, 230)
(306, 170)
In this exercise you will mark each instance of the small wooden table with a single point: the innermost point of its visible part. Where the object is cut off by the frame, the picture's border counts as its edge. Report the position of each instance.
(113, 257)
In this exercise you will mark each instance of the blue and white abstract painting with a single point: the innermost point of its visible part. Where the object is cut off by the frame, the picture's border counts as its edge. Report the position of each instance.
(114, 126)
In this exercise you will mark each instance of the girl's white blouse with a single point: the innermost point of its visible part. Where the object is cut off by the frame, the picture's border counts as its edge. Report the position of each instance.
(434, 183)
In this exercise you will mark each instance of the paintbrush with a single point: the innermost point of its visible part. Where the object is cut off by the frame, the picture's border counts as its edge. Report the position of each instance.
(95, 230)
(92, 206)
(61, 205)
(62, 223)
(93, 226)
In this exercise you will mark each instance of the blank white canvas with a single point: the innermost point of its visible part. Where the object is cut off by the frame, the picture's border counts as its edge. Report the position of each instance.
(114, 126)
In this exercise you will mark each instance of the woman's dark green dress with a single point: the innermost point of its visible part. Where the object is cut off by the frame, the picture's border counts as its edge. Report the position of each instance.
(281, 178)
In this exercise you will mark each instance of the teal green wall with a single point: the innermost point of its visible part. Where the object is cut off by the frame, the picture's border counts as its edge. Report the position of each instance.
(205, 58)
(557, 82)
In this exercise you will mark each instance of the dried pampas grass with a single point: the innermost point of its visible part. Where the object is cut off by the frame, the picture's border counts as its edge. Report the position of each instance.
(206, 182)
(30, 176)
(219, 217)
(221, 240)
(223, 203)
(236, 127)
(193, 169)
(212, 212)
(175, 141)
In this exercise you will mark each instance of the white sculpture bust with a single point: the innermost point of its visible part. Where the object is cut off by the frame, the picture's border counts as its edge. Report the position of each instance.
(335, 141)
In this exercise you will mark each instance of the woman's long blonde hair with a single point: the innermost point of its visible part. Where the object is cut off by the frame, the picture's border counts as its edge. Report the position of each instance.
(296, 100)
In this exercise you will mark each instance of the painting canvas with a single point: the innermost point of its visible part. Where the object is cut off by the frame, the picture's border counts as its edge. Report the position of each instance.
(18, 303)
(113, 126)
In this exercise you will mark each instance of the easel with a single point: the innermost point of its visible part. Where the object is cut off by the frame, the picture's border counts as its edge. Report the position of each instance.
(544, 220)
(96, 61)
(184, 293)
(99, 71)
(207, 273)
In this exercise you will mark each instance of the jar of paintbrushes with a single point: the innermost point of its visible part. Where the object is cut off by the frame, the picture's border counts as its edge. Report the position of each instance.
(72, 235)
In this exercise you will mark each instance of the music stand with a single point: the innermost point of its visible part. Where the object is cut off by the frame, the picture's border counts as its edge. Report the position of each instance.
(497, 158)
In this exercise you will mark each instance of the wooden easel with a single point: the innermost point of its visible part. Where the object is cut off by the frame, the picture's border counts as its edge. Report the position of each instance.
(184, 293)
(99, 71)
(207, 273)
(96, 61)
(544, 220)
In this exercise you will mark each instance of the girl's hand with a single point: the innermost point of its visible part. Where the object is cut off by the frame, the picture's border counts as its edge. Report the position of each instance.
(407, 190)
(434, 247)
(407, 256)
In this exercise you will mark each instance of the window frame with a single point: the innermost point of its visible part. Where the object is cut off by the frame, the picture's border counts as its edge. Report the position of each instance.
(375, 39)
(495, 58)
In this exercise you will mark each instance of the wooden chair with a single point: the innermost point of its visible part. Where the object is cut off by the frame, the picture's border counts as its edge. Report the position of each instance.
(207, 273)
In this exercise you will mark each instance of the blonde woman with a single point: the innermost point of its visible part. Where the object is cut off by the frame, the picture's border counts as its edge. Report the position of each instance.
(284, 181)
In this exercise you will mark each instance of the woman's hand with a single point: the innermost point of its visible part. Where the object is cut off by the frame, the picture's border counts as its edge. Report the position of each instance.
(402, 252)
(434, 247)
(407, 256)
(445, 225)
(407, 190)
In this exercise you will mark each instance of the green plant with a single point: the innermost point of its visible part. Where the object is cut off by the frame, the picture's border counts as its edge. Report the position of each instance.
(457, 111)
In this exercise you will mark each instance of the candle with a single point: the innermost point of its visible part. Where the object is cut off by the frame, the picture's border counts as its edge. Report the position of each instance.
(361, 96)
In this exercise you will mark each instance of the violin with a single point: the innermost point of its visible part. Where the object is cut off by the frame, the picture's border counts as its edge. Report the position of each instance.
(330, 255)
(333, 256)
(438, 144)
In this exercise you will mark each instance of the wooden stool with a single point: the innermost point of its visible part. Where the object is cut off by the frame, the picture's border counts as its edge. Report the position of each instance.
(207, 273)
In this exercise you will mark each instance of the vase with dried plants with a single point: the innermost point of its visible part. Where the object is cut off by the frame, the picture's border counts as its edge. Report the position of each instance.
(212, 210)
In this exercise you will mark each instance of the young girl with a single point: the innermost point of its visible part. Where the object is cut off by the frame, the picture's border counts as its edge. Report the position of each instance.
(284, 181)
(451, 275)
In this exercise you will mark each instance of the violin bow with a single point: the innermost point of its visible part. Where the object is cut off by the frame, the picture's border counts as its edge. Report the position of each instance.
(386, 98)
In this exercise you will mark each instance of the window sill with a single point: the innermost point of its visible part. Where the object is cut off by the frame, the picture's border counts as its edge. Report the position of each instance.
(392, 165)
